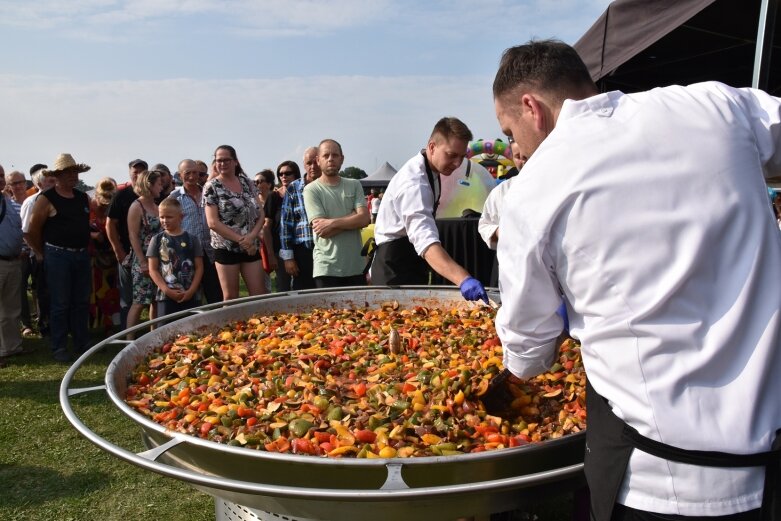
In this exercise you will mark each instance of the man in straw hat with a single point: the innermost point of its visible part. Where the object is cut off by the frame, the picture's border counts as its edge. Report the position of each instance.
(59, 234)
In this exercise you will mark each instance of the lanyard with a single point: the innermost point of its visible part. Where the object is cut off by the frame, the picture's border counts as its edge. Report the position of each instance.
(433, 182)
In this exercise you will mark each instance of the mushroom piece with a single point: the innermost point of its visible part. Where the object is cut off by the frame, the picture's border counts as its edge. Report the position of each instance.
(394, 342)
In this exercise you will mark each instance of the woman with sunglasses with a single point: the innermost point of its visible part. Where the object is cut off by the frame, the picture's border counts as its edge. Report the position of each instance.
(235, 220)
(287, 172)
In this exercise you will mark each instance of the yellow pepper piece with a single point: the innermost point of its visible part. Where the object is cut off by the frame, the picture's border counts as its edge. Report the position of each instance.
(339, 451)
(459, 397)
(494, 360)
(431, 439)
(387, 452)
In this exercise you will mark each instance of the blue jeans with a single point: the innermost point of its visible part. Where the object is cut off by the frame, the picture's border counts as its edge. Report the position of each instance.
(69, 277)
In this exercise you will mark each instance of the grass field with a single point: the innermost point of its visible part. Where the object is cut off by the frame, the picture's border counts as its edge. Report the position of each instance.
(48, 471)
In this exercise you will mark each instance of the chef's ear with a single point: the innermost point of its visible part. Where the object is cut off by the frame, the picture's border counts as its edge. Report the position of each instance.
(533, 109)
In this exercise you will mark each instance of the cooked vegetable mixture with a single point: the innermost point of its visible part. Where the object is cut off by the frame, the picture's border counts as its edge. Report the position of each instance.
(367, 383)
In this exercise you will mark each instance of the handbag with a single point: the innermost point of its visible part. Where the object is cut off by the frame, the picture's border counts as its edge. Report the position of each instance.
(264, 258)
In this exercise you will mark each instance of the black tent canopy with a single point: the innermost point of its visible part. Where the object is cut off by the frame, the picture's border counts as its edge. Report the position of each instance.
(380, 177)
(640, 44)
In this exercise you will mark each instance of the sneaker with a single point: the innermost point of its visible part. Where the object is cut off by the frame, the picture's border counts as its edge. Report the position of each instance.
(27, 332)
(62, 356)
(24, 350)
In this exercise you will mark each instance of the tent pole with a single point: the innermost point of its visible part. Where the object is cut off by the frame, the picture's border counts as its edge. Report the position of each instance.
(765, 31)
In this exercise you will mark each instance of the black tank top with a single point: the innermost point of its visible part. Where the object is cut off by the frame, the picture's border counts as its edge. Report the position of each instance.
(69, 228)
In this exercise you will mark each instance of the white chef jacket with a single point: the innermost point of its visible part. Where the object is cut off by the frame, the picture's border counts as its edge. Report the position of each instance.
(492, 209)
(650, 212)
(407, 208)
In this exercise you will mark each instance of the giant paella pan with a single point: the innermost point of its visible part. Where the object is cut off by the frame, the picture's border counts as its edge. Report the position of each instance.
(426, 475)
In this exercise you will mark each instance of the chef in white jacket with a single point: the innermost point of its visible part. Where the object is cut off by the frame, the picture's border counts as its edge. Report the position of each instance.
(649, 211)
(406, 232)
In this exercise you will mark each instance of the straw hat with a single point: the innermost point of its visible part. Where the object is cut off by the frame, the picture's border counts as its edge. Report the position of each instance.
(65, 162)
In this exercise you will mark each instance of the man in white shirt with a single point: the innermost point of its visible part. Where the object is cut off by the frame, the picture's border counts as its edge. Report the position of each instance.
(405, 232)
(42, 183)
(649, 212)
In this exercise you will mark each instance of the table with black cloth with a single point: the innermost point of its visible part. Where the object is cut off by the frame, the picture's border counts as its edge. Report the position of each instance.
(461, 240)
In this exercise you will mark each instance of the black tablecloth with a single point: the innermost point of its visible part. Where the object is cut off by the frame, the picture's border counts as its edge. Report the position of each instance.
(461, 240)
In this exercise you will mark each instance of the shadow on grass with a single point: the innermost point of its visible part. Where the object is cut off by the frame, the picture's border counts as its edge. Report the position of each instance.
(25, 485)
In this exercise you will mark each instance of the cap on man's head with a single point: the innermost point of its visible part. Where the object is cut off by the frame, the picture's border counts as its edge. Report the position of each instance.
(138, 163)
(36, 167)
(160, 167)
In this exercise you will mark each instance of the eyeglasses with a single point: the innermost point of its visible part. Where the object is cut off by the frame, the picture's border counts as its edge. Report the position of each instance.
(258, 181)
(197, 172)
(225, 160)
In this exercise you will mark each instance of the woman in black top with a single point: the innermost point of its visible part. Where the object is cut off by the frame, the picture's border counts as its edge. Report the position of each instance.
(59, 234)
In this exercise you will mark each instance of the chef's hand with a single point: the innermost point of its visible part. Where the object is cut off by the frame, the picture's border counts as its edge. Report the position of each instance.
(498, 399)
(471, 289)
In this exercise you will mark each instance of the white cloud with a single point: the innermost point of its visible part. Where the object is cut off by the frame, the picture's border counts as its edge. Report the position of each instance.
(452, 20)
(93, 19)
(106, 124)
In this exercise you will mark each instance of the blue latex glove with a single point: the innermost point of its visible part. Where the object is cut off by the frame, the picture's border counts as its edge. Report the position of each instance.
(562, 312)
(471, 289)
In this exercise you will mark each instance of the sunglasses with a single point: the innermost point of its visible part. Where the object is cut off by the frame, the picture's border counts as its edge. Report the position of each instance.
(287, 173)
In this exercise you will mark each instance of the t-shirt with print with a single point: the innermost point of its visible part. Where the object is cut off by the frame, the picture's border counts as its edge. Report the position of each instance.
(177, 255)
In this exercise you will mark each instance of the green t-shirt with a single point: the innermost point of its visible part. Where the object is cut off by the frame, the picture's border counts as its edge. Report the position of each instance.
(340, 255)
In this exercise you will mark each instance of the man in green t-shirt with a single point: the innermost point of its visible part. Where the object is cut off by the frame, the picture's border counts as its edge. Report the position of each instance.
(336, 208)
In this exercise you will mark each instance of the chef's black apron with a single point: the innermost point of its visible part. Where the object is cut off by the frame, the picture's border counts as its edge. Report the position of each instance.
(610, 442)
(396, 262)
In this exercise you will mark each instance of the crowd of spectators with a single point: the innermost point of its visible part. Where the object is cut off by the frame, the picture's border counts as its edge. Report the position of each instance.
(156, 242)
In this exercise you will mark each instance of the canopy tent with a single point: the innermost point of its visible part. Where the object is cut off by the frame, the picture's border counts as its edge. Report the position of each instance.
(640, 44)
(380, 177)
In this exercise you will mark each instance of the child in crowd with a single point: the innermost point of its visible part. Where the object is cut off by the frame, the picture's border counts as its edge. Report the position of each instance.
(175, 261)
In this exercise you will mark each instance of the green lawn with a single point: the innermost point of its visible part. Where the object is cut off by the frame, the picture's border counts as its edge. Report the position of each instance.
(49, 471)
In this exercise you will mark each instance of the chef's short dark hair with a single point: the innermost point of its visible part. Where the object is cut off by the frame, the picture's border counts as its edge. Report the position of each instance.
(548, 66)
(449, 127)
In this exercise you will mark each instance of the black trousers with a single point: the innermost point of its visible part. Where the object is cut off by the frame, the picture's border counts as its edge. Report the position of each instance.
(340, 282)
(303, 257)
(210, 283)
(624, 513)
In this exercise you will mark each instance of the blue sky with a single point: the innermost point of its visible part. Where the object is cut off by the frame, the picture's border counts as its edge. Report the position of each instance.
(163, 80)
